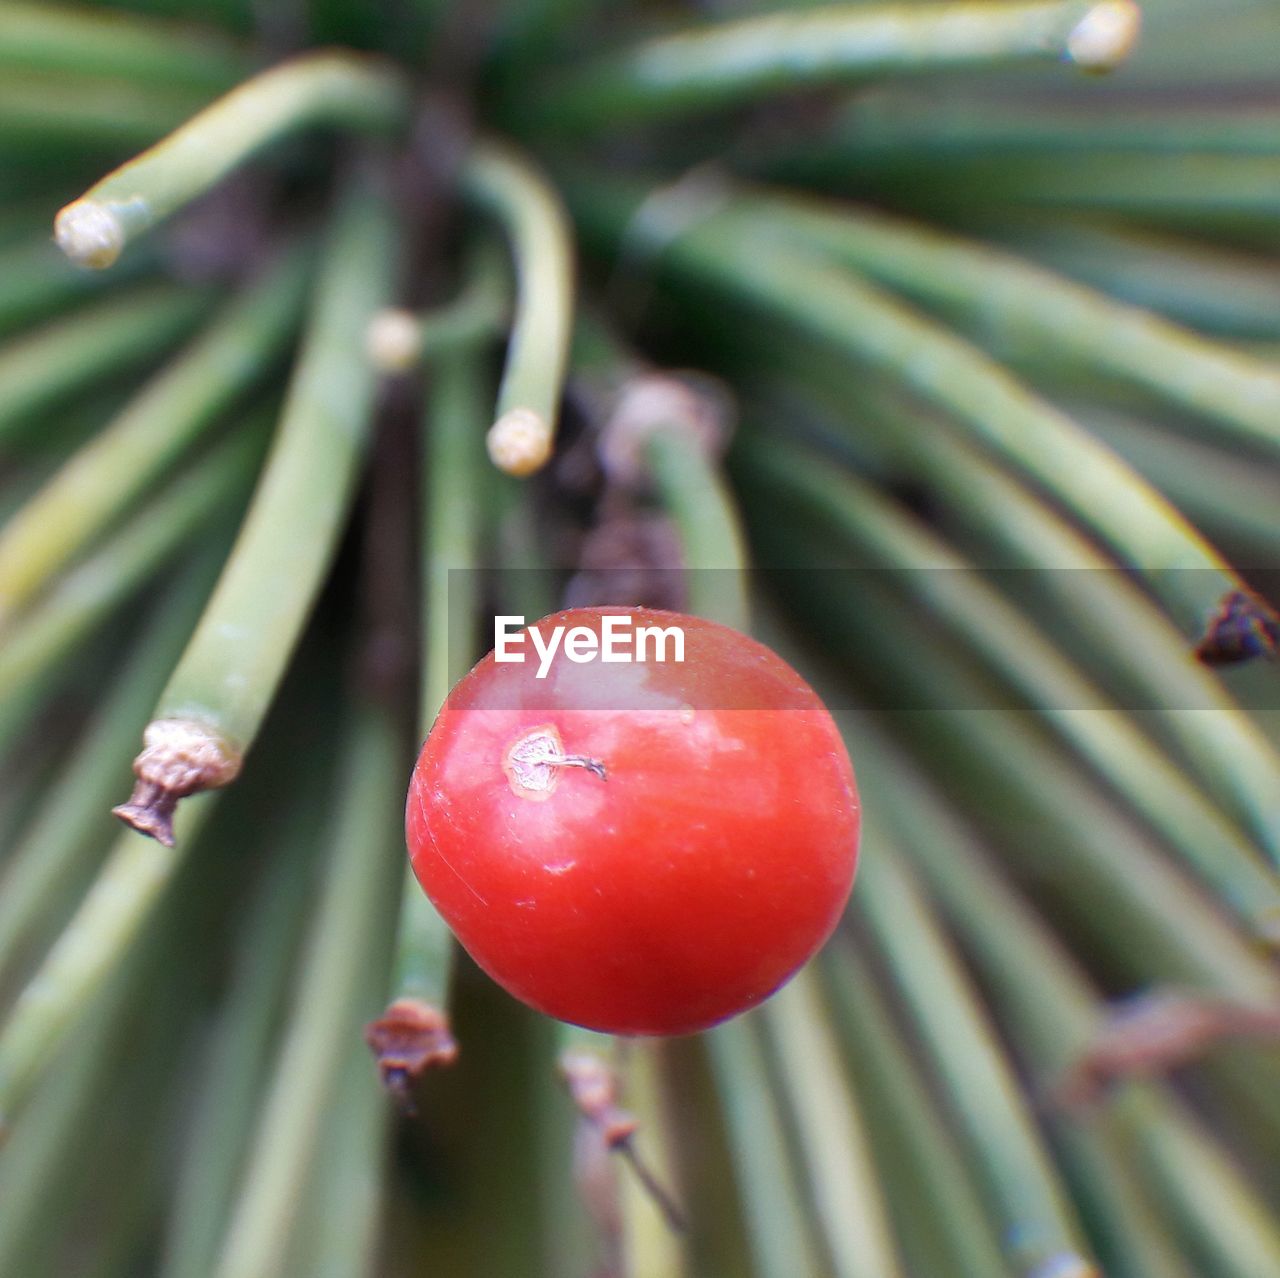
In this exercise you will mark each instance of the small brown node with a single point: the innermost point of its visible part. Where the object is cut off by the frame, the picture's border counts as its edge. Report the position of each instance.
(409, 1038)
(179, 758)
(1244, 627)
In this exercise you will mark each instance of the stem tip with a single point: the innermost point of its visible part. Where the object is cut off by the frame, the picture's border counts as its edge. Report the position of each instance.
(1105, 36)
(519, 442)
(393, 340)
(89, 234)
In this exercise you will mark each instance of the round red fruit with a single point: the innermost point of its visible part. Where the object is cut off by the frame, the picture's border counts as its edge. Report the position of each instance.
(641, 845)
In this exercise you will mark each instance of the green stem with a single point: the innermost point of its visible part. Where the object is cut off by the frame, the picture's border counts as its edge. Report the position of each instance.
(218, 694)
(978, 395)
(697, 498)
(102, 479)
(1095, 599)
(344, 950)
(919, 1161)
(88, 114)
(46, 38)
(45, 368)
(1138, 907)
(653, 1248)
(1040, 991)
(413, 1034)
(777, 1225)
(39, 281)
(1012, 301)
(1124, 757)
(834, 1150)
(54, 854)
(1198, 192)
(226, 1108)
(96, 586)
(39, 1164)
(1223, 291)
(1039, 1223)
(333, 88)
(86, 955)
(1229, 494)
(505, 185)
(738, 62)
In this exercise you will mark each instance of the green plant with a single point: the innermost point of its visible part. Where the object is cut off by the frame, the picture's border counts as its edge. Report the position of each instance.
(382, 324)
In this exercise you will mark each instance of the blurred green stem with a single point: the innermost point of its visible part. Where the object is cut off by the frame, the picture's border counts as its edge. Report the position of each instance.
(47, 38)
(979, 396)
(104, 477)
(915, 1153)
(946, 586)
(341, 954)
(72, 824)
(739, 61)
(196, 502)
(413, 1034)
(1039, 1223)
(217, 696)
(505, 185)
(834, 1150)
(46, 367)
(1008, 299)
(334, 88)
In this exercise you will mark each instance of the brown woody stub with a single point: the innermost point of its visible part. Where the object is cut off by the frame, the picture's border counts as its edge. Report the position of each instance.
(1244, 627)
(408, 1039)
(180, 757)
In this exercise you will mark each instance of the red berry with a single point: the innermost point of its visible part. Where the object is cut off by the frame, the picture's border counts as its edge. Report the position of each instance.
(642, 848)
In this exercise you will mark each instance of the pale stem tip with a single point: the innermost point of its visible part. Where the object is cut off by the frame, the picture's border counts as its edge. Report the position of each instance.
(519, 442)
(1105, 36)
(393, 340)
(89, 234)
(180, 757)
(693, 405)
(1065, 1265)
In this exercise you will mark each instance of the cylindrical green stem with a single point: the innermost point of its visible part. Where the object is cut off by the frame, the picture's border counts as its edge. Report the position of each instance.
(777, 1227)
(84, 112)
(226, 1107)
(47, 38)
(697, 498)
(506, 186)
(1126, 758)
(399, 339)
(1096, 600)
(979, 396)
(1011, 301)
(216, 698)
(105, 476)
(343, 950)
(738, 62)
(193, 504)
(413, 1034)
(1140, 909)
(940, 1220)
(1041, 993)
(47, 367)
(71, 824)
(1016, 1170)
(39, 281)
(341, 89)
(830, 1136)
(86, 955)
